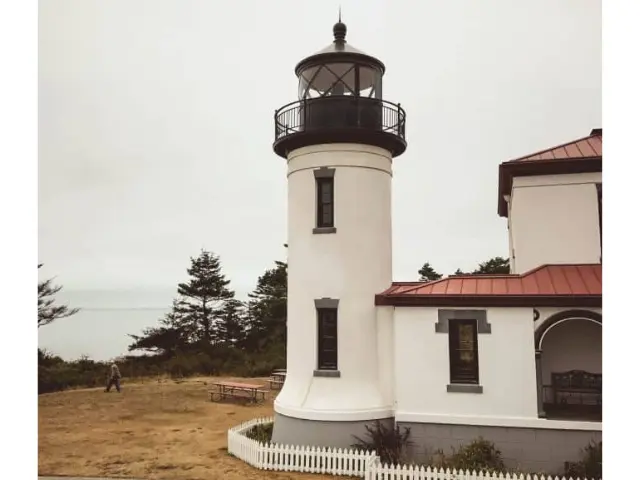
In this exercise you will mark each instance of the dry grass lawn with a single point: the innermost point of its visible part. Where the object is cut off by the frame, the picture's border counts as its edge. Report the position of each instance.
(152, 430)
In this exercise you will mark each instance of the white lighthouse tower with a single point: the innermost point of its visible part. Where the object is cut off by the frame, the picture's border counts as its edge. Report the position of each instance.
(339, 139)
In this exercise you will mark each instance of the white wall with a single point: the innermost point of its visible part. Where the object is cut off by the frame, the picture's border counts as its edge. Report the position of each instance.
(386, 357)
(572, 345)
(554, 219)
(506, 366)
(351, 265)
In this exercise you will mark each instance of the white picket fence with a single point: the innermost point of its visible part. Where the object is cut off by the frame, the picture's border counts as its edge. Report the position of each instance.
(336, 461)
(376, 471)
(288, 458)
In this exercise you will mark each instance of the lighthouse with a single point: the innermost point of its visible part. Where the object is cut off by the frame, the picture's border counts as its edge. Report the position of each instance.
(339, 140)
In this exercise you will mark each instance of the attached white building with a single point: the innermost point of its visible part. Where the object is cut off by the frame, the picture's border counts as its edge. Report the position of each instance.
(513, 358)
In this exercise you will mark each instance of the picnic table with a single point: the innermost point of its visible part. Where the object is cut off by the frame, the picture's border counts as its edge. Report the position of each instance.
(277, 378)
(224, 390)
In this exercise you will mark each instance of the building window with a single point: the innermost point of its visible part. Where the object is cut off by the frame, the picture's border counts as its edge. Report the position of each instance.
(325, 210)
(463, 351)
(327, 339)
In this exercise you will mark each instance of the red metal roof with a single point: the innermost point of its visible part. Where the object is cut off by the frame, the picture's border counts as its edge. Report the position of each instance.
(545, 281)
(587, 147)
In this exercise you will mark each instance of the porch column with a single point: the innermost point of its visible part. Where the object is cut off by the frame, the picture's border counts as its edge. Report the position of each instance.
(541, 413)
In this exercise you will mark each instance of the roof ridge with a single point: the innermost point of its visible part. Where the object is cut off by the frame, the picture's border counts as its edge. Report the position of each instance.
(556, 147)
(430, 282)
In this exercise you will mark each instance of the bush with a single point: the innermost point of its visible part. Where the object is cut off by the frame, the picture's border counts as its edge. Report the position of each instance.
(390, 444)
(55, 374)
(590, 466)
(262, 433)
(479, 455)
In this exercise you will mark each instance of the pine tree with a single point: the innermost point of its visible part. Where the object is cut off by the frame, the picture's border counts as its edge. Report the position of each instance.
(495, 265)
(174, 334)
(267, 311)
(203, 298)
(231, 328)
(47, 310)
(428, 274)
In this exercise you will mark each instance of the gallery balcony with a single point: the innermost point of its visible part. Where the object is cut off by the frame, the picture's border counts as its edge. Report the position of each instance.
(340, 119)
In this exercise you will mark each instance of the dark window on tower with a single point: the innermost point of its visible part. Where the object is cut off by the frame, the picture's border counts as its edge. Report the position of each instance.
(324, 190)
(327, 338)
(463, 351)
(599, 189)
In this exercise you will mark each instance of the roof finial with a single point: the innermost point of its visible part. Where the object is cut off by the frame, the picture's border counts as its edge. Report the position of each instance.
(339, 29)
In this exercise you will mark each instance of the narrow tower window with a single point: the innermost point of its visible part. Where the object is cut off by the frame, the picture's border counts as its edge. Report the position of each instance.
(327, 312)
(324, 200)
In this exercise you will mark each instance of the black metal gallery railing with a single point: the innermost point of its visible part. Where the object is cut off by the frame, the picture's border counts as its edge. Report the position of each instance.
(341, 112)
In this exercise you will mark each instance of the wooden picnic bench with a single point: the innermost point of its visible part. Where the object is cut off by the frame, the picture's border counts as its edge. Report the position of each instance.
(576, 382)
(248, 391)
(277, 379)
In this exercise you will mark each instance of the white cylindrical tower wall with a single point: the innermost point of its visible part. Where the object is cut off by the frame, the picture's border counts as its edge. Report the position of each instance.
(350, 265)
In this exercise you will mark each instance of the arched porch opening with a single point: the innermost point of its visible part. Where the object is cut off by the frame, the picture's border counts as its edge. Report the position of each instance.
(569, 366)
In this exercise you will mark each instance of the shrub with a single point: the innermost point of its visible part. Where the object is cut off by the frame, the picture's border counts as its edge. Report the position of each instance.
(262, 432)
(389, 443)
(589, 466)
(480, 454)
(55, 374)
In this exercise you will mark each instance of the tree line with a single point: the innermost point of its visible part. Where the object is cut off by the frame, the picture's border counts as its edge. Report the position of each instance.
(206, 316)
(207, 330)
(495, 266)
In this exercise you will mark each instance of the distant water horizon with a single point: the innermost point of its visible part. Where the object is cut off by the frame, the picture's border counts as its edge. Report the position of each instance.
(106, 318)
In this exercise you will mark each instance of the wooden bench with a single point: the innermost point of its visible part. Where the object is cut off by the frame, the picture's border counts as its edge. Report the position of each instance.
(277, 379)
(232, 390)
(576, 382)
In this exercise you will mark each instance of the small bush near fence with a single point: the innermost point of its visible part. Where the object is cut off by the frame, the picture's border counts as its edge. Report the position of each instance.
(479, 455)
(390, 443)
(590, 465)
(261, 432)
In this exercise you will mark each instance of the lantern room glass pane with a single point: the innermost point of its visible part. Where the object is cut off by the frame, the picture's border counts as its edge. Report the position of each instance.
(370, 83)
(306, 78)
(335, 79)
(340, 79)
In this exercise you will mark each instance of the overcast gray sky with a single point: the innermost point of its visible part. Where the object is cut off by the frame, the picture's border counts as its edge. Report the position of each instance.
(156, 124)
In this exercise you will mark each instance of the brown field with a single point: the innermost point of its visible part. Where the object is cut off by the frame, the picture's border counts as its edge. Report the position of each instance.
(152, 430)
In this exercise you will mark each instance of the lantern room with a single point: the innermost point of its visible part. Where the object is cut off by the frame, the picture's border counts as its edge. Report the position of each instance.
(340, 101)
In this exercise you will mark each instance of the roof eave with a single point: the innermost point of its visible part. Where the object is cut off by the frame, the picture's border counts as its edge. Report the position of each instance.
(525, 168)
(592, 301)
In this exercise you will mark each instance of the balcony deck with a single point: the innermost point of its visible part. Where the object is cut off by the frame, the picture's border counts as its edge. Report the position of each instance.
(340, 119)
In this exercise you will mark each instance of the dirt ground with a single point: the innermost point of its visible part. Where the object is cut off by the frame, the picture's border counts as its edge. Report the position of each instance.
(152, 430)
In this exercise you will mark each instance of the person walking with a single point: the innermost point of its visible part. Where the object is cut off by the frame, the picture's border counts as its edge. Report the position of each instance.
(114, 378)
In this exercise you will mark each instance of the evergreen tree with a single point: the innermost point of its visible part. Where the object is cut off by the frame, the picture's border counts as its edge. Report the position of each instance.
(199, 316)
(428, 274)
(267, 311)
(173, 335)
(47, 310)
(495, 265)
(203, 298)
(231, 328)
